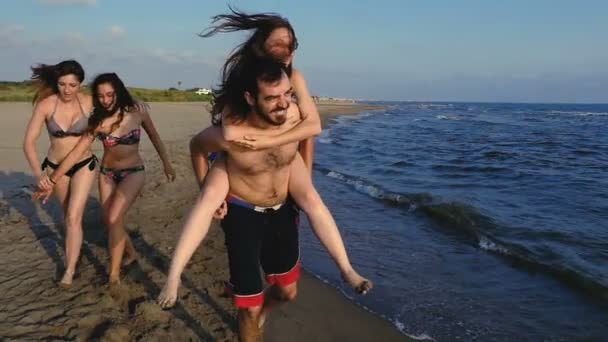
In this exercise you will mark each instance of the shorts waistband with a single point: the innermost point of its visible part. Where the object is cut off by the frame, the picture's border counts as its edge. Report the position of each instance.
(245, 204)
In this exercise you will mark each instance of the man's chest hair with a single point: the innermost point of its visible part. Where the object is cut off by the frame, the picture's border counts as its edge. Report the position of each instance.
(267, 160)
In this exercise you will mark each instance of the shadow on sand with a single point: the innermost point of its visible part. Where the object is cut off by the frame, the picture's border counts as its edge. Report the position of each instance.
(46, 223)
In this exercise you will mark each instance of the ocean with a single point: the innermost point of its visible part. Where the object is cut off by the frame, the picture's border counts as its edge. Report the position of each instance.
(476, 221)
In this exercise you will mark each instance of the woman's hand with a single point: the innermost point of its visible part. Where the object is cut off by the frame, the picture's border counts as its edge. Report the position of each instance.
(42, 195)
(169, 172)
(45, 183)
(221, 212)
(255, 142)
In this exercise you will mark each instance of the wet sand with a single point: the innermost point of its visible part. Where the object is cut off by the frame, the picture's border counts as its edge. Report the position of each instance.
(31, 258)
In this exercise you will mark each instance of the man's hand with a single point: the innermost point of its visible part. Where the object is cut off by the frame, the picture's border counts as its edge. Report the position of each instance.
(221, 212)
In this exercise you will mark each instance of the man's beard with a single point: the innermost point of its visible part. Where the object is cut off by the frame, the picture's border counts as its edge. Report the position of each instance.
(266, 117)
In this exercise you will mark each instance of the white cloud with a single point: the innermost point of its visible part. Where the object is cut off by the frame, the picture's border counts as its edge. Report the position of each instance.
(137, 65)
(115, 32)
(76, 38)
(180, 57)
(11, 30)
(10, 36)
(68, 2)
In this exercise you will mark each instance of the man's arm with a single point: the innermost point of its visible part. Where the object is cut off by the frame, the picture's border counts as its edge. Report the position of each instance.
(208, 140)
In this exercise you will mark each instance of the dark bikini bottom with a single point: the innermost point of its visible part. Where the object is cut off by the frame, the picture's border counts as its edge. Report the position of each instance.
(91, 162)
(118, 175)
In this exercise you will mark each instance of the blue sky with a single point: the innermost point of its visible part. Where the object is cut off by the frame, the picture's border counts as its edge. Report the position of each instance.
(513, 51)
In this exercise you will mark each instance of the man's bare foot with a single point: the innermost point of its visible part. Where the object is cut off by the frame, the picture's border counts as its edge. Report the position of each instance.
(67, 279)
(361, 285)
(168, 295)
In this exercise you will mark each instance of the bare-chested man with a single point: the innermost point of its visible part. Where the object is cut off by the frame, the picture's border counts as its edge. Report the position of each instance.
(261, 223)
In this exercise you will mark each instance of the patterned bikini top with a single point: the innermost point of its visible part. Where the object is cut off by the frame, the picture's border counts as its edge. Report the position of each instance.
(130, 138)
(75, 130)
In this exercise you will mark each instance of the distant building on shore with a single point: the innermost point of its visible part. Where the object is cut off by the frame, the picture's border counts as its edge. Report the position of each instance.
(203, 91)
(332, 99)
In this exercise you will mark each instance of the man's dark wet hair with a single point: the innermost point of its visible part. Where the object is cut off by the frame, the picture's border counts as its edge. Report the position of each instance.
(242, 77)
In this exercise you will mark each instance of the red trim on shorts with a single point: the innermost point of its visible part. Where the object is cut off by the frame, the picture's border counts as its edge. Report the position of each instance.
(286, 278)
(249, 301)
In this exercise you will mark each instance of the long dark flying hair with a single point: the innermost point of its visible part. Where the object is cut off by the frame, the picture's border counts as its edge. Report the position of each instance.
(124, 101)
(263, 25)
(243, 76)
(46, 76)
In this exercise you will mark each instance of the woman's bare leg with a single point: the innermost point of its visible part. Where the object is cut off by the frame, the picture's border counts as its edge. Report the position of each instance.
(106, 191)
(212, 195)
(323, 225)
(121, 200)
(79, 189)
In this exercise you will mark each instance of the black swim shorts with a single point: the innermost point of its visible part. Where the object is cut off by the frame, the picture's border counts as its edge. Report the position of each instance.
(260, 239)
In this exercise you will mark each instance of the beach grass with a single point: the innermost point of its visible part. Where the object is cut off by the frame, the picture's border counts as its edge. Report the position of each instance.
(24, 92)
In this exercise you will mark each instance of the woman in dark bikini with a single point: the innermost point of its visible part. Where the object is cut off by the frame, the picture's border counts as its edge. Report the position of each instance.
(117, 121)
(59, 103)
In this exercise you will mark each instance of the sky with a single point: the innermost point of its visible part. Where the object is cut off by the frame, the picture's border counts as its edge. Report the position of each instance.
(432, 50)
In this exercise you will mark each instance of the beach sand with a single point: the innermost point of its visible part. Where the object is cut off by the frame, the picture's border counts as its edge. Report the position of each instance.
(31, 258)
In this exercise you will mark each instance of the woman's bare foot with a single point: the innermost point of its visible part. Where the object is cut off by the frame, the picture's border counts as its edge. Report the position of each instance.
(168, 295)
(114, 279)
(129, 259)
(361, 285)
(67, 279)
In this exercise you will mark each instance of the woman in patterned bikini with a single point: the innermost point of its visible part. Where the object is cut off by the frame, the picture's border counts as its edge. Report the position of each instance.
(59, 103)
(117, 121)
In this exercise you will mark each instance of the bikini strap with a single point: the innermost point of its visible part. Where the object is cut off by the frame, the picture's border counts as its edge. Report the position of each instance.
(80, 105)
(55, 108)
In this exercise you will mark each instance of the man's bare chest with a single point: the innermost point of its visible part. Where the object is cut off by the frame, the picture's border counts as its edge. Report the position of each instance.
(269, 160)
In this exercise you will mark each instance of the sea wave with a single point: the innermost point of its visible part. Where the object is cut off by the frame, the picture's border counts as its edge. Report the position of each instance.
(578, 113)
(482, 231)
(448, 117)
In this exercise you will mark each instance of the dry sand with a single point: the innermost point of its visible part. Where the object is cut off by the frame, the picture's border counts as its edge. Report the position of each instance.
(32, 307)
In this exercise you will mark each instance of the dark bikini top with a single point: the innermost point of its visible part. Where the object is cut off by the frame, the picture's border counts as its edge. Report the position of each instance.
(130, 138)
(75, 130)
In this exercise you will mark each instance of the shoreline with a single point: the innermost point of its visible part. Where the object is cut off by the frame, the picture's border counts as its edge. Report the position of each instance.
(31, 239)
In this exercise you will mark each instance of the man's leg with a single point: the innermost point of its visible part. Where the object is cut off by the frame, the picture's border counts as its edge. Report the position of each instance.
(275, 296)
(248, 319)
(280, 255)
(243, 229)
